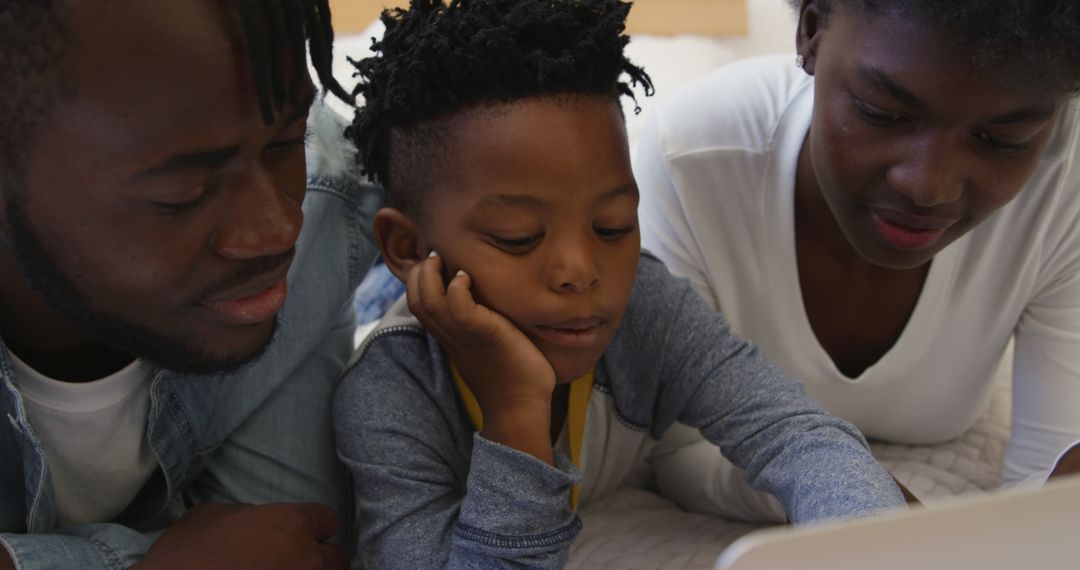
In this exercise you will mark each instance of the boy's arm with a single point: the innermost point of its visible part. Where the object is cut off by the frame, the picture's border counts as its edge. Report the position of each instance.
(817, 465)
(429, 492)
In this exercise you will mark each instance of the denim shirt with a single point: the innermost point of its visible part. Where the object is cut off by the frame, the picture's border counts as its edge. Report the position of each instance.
(431, 492)
(260, 435)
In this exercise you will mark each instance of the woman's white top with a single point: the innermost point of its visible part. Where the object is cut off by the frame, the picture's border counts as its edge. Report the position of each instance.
(716, 167)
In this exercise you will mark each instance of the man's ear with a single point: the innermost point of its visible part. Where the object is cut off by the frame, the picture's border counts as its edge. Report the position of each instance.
(808, 34)
(399, 241)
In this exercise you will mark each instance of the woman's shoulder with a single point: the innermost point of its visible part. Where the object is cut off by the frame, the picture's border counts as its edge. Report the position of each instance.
(737, 106)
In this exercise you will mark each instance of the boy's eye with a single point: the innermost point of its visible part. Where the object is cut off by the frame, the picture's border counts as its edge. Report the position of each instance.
(516, 245)
(613, 233)
(877, 116)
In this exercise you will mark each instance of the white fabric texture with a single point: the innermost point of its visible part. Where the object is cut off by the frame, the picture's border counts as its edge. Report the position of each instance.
(716, 167)
(93, 434)
(634, 528)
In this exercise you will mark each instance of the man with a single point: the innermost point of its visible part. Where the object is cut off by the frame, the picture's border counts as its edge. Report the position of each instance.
(153, 378)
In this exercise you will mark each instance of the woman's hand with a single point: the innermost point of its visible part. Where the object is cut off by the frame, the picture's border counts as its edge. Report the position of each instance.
(509, 376)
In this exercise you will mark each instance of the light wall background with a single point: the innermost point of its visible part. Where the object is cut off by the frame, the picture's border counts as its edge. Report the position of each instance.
(672, 59)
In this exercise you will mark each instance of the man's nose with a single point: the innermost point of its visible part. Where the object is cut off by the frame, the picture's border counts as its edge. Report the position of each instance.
(262, 219)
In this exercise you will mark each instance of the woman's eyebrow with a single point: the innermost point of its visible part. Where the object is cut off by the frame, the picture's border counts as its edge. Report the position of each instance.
(884, 82)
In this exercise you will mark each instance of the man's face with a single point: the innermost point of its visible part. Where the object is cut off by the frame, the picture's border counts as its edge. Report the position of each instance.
(158, 212)
(539, 206)
(911, 144)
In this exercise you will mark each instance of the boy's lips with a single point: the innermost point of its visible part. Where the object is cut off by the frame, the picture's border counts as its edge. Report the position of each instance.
(253, 305)
(576, 334)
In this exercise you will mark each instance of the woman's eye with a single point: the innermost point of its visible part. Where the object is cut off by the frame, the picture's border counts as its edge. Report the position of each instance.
(878, 116)
(1001, 146)
(613, 233)
(516, 245)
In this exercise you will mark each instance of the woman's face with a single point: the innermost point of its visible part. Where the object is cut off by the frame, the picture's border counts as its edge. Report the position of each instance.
(911, 145)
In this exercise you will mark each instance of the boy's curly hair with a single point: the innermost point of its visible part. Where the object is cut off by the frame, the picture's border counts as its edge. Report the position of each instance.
(1032, 41)
(436, 60)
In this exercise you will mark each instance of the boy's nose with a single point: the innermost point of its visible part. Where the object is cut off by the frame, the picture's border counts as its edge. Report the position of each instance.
(573, 269)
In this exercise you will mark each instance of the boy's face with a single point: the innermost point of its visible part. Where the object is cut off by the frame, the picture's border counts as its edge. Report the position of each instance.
(537, 203)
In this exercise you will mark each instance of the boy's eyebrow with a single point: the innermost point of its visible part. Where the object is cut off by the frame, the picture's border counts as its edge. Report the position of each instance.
(498, 200)
(620, 191)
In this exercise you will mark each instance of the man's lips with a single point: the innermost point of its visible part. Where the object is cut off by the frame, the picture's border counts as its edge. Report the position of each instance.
(908, 231)
(578, 333)
(252, 303)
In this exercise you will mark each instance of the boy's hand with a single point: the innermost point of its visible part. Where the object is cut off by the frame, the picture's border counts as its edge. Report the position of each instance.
(288, 536)
(509, 376)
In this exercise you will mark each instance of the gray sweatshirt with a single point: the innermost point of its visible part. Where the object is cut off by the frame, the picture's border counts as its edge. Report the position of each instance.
(432, 493)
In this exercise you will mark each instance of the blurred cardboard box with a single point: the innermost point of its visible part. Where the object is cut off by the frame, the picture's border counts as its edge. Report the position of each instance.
(664, 17)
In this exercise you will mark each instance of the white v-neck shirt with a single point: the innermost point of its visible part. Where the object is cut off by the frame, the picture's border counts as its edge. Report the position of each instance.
(94, 438)
(716, 167)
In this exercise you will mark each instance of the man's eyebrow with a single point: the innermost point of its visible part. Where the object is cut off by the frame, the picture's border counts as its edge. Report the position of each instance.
(302, 106)
(214, 158)
(883, 82)
(201, 160)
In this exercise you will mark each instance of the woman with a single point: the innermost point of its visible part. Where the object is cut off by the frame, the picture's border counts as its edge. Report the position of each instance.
(884, 214)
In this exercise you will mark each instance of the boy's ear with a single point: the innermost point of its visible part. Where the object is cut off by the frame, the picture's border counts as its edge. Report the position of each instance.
(399, 241)
(808, 34)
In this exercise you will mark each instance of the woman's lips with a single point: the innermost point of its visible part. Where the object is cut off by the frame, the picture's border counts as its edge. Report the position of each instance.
(252, 309)
(909, 232)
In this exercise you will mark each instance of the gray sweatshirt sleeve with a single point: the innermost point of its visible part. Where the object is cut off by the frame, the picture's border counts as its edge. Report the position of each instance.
(703, 375)
(431, 493)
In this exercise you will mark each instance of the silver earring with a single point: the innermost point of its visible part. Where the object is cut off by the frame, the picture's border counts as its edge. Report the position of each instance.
(800, 61)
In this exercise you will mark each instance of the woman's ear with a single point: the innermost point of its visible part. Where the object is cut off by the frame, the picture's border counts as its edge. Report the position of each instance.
(399, 241)
(808, 35)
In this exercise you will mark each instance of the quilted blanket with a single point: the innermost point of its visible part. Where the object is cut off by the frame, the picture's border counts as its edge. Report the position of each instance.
(637, 529)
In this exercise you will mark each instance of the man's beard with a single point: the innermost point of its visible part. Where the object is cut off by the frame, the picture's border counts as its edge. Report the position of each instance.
(63, 296)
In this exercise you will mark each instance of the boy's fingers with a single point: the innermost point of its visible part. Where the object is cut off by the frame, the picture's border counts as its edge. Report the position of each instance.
(467, 313)
(459, 300)
(427, 299)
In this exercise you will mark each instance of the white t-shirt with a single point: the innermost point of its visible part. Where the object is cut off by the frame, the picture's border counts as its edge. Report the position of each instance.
(716, 166)
(94, 438)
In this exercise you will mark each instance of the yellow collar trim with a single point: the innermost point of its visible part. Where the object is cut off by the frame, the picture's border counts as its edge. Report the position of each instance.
(577, 408)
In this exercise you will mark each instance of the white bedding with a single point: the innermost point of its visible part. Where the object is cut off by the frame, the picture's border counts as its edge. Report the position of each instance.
(637, 529)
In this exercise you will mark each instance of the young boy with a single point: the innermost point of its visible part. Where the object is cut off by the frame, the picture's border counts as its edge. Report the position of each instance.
(544, 354)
